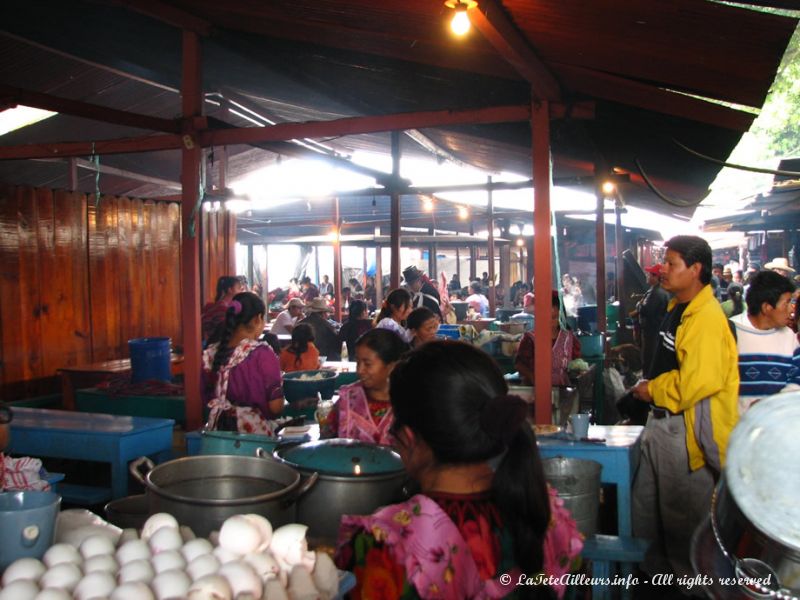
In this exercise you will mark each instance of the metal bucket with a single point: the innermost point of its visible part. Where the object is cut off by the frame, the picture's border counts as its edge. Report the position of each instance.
(202, 491)
(129, 512)
(233, 442)
(577, 482)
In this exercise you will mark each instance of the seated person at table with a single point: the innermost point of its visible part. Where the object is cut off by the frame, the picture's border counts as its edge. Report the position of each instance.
(301, 354)
(477, 301)
(394, 311)
(242, 377)
(566, 348)
(357, 324)
(286, 319)
(363, 411)
(213, 315)
(423, 324)
(17, 474)
(326, 337)
(484, 510)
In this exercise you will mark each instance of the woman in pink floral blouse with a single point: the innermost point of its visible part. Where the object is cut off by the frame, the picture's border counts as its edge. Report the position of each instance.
(485, 524)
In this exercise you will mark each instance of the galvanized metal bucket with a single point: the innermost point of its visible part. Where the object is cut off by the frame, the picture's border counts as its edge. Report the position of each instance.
(577, 482)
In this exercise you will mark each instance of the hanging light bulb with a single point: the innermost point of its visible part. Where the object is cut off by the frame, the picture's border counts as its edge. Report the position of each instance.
(460, 24)
(463, 213)
(609, 187)
(427, 204)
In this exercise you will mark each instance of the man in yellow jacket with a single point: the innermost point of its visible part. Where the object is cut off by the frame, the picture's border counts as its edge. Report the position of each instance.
(693, 393)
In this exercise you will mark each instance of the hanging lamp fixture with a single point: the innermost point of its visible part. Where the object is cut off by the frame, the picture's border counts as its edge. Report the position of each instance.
(460, 24)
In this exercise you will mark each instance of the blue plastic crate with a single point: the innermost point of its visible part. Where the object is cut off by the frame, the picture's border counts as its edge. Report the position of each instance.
(449, 331)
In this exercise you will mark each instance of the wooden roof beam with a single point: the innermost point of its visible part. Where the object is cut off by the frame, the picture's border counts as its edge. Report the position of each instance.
(287, 131)
(648, 97)
(491, 20)
(76, 108)
(170, 15)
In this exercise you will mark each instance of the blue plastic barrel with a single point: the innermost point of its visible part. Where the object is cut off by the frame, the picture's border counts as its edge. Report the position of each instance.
(150, 359)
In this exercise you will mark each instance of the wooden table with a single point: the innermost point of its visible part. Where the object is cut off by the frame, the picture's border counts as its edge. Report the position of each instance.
(91, 436)
(618, 455)
(86, 376)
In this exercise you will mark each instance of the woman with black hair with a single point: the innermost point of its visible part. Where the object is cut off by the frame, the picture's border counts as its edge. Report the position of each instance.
(485, 524)
(301, 354)
(734, 305)
(423, 324)
(357, 324)
(213, 314)
(395, 309)
(363, 411)
(241, 375)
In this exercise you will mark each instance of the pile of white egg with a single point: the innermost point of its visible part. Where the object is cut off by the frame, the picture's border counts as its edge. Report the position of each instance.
(249, 561)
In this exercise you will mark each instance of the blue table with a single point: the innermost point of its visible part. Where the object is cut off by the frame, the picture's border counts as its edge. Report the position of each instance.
(91, 436)
(619, 457)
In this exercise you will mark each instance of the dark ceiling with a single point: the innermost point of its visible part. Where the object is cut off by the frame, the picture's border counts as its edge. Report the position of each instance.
(301, 60)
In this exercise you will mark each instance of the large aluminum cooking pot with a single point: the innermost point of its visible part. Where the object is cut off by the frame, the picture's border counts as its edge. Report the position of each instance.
(355, 478)
(754, 525)
(202, 491)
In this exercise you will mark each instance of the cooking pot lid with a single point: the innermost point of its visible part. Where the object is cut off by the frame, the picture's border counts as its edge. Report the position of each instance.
(761, 469)
(342, 457)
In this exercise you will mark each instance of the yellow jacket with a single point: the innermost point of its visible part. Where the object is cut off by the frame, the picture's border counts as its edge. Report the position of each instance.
(705, 387)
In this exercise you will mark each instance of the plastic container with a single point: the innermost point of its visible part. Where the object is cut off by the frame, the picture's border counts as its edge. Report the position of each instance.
(29, 524)
(129, 512)
(577, 482)
(449, 331)
(150, 359)
(301, 394)
(591, 345)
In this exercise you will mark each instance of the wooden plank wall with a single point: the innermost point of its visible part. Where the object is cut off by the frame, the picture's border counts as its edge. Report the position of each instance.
(218, 250)
(78, 280)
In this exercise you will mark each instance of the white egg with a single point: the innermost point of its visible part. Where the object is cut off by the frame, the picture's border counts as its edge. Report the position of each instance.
(264, 564)
(21, 589)
(224, 556)
(289, 547)
(133, 550)
(64, 575)
(239, 535)
(210, 587)
(136, 570)
(243, 578)
(171, 584)
(203, 565)
(275, 590)
(62, 553)
(96, 545)
(196, 547)
(156, 522)
(264, 528)
(127, 535)
(167, 561)
(77, 535)
(165, 539)
(30, 569)
(101, 562)
(326, 576)
(133, 590)
(186, 533)
(53, 594)
(301, 586)
(94, 585)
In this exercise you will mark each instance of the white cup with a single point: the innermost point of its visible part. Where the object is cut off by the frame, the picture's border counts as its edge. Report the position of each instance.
(580, 425)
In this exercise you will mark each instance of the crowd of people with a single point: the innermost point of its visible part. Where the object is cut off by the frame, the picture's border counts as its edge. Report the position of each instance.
(460, 434)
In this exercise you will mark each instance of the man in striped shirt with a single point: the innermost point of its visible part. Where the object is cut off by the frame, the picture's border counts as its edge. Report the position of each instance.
(769, 353)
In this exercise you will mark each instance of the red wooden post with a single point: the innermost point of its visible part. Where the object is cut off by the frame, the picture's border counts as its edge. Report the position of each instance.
(395, 216)
(191, 155)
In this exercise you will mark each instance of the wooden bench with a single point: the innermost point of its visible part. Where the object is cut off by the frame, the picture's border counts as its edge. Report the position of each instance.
(610, 553)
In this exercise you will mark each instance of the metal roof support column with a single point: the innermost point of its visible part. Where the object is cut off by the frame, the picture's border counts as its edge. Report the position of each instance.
(266, 277)
(540, 129)
(623, 312)
(490, 249)
(600, 252)
(378, 277)
(473, 262)
(337, 264)
(395, 214)
(530, 261)
(458, 264)
(191, 155)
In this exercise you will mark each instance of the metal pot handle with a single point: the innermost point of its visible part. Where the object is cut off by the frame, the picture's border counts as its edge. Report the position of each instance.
(137, 464)
(302, 489)
(261, 453)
